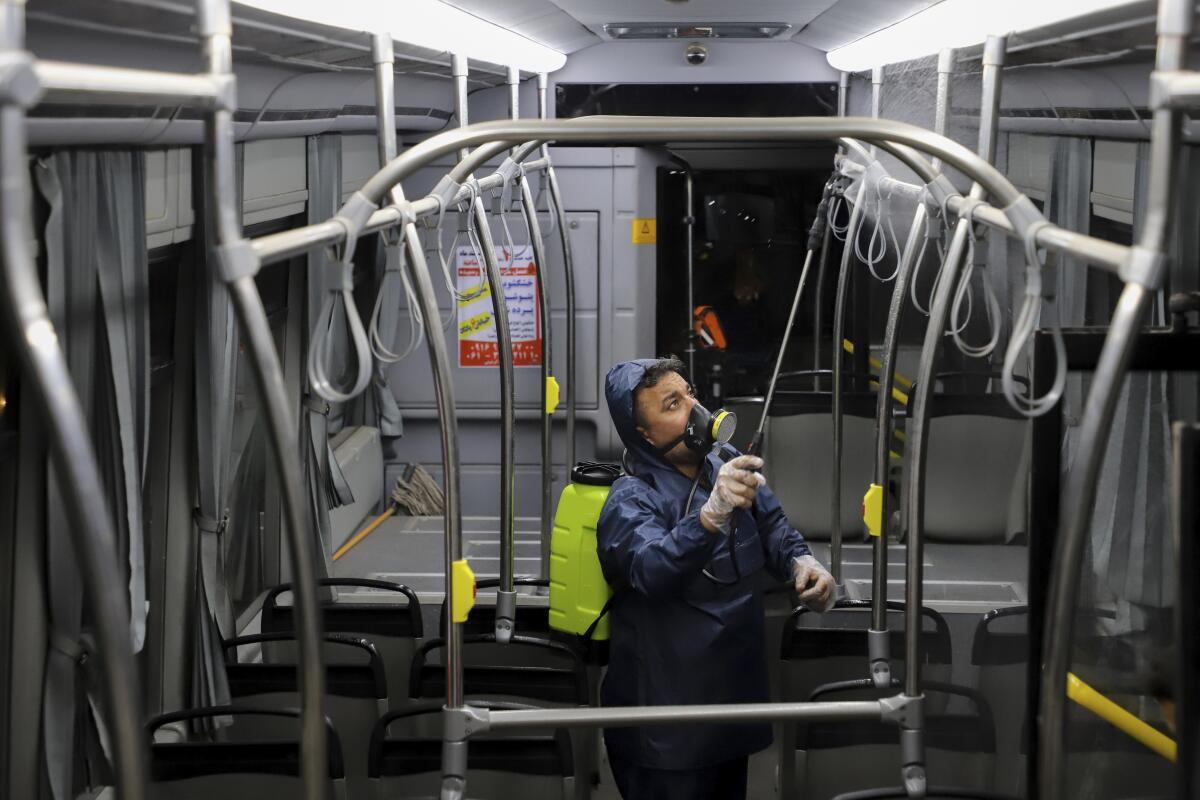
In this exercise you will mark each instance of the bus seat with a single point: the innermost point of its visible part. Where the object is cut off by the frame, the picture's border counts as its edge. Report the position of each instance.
(1000, 650)
(235, 765)
(817, 649)
(820, 649)
(978, 457)
(500, 766)
(393, 627)
(804, 484)
(536, 670)
(837, 757)
(356, 694)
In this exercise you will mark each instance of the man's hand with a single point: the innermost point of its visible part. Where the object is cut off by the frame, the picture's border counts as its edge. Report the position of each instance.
(735, 487)
(814, 584)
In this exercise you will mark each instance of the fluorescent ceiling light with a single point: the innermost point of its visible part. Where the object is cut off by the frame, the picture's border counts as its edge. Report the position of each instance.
(956, 23)
(425, 23)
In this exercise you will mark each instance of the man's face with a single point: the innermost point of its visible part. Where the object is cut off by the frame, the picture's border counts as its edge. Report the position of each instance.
(663, 413)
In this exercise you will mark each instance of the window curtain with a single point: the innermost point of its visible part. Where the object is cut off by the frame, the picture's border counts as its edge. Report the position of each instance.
(216, 348)
(326, 486)
(1133, 553)
(1126, 584)
(97, 282)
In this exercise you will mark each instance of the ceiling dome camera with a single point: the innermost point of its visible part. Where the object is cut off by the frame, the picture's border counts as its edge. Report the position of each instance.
(696, 54)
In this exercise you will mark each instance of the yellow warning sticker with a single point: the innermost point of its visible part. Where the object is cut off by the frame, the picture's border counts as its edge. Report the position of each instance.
(477, 292)
(476, 323)
(645, 230)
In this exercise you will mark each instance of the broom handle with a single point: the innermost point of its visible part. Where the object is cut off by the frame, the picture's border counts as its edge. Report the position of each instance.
(364, 533)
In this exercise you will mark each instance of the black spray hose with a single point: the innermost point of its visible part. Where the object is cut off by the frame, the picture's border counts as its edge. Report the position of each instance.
(816, 236)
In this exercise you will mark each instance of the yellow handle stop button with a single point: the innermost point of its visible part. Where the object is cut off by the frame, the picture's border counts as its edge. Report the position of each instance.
(462, 590)
(872, 509)
(552, 394)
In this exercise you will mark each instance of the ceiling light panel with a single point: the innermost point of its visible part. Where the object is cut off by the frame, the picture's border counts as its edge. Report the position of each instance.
(695, 30)
(425, 23)
(957, 23)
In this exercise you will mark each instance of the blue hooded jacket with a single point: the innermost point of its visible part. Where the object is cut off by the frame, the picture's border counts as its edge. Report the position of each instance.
(679, 637)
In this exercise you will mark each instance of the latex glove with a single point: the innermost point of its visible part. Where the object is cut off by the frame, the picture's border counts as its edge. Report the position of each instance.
(734, 487)
(814, 584)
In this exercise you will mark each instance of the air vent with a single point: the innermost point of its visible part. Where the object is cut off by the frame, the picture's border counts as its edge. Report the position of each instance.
(714, 30)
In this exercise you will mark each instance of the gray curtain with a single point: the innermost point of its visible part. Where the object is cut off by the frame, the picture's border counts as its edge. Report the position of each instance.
(216, 348)
(1068, 203)
(1129, 550)
(326, 485)
(1131, 533)
(97, 284)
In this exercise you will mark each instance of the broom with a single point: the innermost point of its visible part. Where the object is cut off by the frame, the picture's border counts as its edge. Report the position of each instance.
(415, 492)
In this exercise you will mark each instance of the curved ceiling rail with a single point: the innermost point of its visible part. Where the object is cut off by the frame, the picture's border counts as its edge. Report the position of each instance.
(1021, 214)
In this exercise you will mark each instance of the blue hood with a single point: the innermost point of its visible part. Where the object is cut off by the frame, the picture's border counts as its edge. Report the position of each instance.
(619, 386)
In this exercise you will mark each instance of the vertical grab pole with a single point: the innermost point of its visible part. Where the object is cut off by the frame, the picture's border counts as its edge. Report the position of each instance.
(839, 332)
(941, 113)
(568, 274)
(549, 393)
(912, 745)
(238, 266)
(876, 97)
(878, 647)
(454, 745)
(506, 596)
(513, 79)
(458, 70)
(384, 57)
(689, 220)
(1175, 19)
(454, 740)
(548, 383)
(839, 329)
(74, 457)
(818, 318)
(822, 263)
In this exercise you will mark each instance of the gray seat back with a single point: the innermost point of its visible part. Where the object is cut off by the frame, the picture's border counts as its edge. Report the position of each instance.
(798, 449)
(975, 479)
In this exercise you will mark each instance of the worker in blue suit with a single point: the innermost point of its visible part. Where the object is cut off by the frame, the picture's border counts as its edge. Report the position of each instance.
(687, 619)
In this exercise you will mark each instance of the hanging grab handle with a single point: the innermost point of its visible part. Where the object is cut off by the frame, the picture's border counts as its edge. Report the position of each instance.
(340, 292)
(1023, 330)
(963, 290)
(394, 270)
(320, 347)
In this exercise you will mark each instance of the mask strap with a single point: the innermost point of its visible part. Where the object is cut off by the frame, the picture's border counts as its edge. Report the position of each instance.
(662, 451)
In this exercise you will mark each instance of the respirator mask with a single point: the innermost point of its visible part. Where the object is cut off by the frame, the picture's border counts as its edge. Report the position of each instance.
(704, 430)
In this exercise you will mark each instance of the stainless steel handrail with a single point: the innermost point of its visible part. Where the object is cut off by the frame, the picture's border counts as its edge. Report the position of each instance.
(1175, 21)
(213, 23)
(74, 457)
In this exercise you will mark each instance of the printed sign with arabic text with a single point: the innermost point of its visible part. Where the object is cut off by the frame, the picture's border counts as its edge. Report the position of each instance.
(476, 325)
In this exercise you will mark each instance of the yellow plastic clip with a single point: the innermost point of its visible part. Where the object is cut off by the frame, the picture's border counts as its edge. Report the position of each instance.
(552, 394)
(872, 509)
(462, 591)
